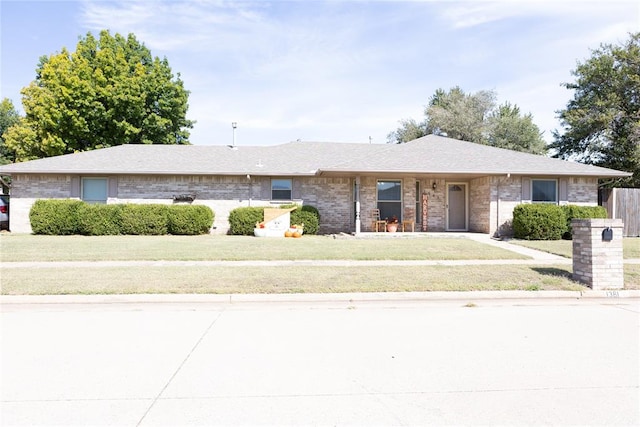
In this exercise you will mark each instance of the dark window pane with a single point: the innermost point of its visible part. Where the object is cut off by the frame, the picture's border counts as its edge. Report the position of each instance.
(389, 190)
(281, 189)
(543, 190)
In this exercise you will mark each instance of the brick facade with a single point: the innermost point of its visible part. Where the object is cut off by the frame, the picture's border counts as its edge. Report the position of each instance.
(490, 199)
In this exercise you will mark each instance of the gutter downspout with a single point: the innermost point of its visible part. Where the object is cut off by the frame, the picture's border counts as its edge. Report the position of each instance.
(357, 191)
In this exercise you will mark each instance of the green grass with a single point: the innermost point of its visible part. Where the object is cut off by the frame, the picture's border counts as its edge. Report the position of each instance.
(295, 279)
(272, 279)
(234, 248)
(631, 246)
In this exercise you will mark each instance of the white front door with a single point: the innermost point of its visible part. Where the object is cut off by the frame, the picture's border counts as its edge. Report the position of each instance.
(457, 207)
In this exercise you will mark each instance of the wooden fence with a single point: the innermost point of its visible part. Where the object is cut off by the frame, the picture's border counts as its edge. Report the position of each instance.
(623, 203)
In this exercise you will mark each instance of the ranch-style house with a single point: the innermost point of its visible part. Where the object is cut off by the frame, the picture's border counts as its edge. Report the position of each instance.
(433, 183)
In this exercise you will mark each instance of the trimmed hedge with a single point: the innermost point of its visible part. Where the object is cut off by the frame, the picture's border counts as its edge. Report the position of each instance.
(539, 222)
(550, 222)
(312, 209)
(145, 220)
(243, 220)
(55, 217)
(581, 212)
(190, 219)
(99, 220)
(58, 217)
(308, 218)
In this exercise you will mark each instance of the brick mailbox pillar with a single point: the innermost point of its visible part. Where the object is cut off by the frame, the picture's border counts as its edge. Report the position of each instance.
(597, 253)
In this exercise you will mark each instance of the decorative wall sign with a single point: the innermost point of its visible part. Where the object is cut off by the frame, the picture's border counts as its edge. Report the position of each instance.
(425, 204)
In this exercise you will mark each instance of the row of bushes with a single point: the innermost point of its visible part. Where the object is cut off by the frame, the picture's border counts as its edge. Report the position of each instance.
(550, 222)
(242, 221)
(66, 217)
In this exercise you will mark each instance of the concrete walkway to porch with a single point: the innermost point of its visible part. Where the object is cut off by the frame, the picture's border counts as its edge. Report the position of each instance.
(536, 255)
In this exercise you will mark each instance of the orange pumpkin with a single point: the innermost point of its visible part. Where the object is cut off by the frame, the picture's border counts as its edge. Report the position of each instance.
(296, 234)
(288, 233)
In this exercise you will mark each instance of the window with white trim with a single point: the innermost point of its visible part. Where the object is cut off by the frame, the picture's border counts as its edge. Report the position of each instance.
(281, 189)
(94, 190)
(544, 191)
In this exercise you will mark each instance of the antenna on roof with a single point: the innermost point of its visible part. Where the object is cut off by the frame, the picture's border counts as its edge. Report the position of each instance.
(234, 125)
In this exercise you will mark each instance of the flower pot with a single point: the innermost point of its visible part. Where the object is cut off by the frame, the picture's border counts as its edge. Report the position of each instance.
(392, 228)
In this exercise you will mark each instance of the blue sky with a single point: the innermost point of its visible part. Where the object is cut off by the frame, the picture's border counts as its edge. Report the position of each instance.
(340, 71)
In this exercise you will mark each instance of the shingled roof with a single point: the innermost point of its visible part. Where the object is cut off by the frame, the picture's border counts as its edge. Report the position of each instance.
(434, 155)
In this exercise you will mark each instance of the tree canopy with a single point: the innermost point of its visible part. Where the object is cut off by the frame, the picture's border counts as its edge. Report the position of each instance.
(8, 117)
(601, 124)
(110, 91)
(475, 118)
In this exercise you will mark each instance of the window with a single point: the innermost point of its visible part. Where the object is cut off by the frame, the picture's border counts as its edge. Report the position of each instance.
(281, 189)
(390, 199)
(94, 190)
(544, 191)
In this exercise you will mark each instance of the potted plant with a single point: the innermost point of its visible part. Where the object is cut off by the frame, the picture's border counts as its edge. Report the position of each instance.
(392, 224)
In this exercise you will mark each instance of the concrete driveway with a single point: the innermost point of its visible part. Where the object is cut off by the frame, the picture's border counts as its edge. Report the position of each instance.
(268, 361)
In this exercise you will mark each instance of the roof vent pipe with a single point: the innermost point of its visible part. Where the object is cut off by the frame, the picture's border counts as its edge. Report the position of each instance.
(234, 125)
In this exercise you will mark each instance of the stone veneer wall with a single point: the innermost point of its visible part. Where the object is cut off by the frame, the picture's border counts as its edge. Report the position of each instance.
(26, 189)
(583, 191)
(334, 199)
(368, 199)
(332, 196)
(506, 194)
(41, 186)
(480, 204)
(436, 205)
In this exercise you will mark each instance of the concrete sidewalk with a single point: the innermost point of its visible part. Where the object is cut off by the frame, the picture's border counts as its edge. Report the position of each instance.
(457, 297)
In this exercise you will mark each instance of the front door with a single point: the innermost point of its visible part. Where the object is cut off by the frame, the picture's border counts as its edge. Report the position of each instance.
(457, 207)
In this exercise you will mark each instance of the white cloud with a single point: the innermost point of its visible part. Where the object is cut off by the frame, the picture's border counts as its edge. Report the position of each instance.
(349, 70)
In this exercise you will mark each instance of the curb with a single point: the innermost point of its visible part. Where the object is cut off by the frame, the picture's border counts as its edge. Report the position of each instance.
(328, 297)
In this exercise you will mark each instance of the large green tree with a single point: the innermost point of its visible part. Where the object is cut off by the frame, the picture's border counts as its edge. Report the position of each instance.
(476, 118)
(110, 91)
(601, 124)
(8, 117)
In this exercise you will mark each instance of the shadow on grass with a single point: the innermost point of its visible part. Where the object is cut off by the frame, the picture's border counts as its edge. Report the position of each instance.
(555, 272)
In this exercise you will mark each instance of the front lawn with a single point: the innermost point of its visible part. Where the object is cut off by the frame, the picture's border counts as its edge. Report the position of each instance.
(630, 245)
(290, 279)
(24, 247)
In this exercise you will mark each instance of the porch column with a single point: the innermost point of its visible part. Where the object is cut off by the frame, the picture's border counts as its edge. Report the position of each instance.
(357, 197)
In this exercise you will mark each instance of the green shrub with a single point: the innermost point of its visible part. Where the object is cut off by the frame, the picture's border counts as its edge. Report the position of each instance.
(305, 214)
(580, 212)
(65, 217)
(308, 218)
(313, 210)
(190, 219)
(539, 222)
(144, 220)
(242, 221)
(99, 220)
(55, 217)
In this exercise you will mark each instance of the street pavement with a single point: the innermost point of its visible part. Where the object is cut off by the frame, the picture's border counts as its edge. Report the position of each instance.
(320, 360)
